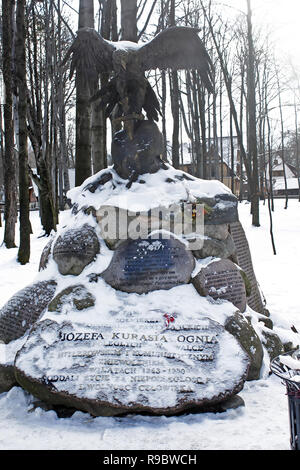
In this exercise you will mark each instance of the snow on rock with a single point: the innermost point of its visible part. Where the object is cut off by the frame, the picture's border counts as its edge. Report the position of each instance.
(264, 421)
(155, 191)
(132, 363)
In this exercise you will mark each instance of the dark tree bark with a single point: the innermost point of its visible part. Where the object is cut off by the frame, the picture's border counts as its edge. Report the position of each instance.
(270, 189)
(197, 94)
(25, 227)
(232, 154)
(241, 127)
(10, 185)
(163, 86)
(282, 144)
(221, 129)
(99, 128)
(1, 159)
(83, 167)
(252, 138)
(297, 148)
(64, 183)
(174, 99)
(129, 30)
(175, 113)
(38, 127)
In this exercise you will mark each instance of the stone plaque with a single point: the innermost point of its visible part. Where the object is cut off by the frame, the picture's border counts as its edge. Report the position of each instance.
(222, 280)
(154, 363)
(245, 262)
(142, 266)
(24, 309)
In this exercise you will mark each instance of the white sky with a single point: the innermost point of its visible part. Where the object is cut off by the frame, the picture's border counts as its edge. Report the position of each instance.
(282, 19)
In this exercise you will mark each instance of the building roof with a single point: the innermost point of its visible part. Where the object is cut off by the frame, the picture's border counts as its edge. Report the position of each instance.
(279, 184)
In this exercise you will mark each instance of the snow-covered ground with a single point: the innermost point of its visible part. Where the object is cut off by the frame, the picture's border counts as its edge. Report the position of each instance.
(262, 424)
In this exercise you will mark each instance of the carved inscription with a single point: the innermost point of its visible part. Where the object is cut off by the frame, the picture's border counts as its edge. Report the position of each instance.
(245, 262)
(142, 266)
(134, 365)
(109, 356)
(24, 309)
(222, 280)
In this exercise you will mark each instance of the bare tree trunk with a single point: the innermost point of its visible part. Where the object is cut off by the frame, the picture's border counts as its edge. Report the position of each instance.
(83, 167)
(269, 189)
(252, 149)
(163, 89)
(25, 227)
(282, 145)
(129, 20)
(232, 154)
(163, 112)
(38, 128)
(215, 133)
(99, 127)
(204, 173)
(197, 94)
(1, 159)
(10, 185)
(174, 89)
(297, 147)
(64, 183)
(241, 127)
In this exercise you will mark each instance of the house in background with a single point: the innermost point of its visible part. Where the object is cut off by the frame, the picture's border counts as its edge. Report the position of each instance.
(34, 192)
(292, 182)
(227, 176)
(221, 171)
(33, 196)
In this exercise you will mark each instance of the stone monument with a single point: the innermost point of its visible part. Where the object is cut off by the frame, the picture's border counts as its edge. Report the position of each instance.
(140, 304)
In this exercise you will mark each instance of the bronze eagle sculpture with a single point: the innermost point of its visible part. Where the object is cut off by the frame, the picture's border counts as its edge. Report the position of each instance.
(126, 62)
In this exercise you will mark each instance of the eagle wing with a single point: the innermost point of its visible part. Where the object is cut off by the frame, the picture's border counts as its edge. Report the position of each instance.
(91, 54)
(178, 48)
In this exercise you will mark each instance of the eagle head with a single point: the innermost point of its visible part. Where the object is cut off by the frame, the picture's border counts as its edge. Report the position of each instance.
(120, 59)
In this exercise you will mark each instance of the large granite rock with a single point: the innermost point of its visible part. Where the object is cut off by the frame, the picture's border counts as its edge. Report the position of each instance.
(73, 297)
(24, 309)
(220, 209)
(45, 256)
(143, 266)
(75, 249)
(7, 378)
(244, 332)
(272, 343)
(183, 220)
(216, 248)
(114, 223)
(137, 365)
(244, 260)
(140, 154)
(219, 232)
(222, 280)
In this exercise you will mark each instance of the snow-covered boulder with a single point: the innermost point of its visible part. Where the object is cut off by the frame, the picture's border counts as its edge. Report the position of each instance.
(128, 327)
(131, 364)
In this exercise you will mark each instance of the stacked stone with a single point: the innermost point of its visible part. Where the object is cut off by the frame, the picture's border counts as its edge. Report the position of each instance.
(140, 266)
